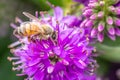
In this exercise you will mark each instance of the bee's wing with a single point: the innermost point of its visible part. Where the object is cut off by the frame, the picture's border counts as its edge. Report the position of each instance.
(30, 16)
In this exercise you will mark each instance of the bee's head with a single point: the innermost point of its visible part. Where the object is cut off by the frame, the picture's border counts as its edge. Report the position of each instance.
(54, 36)
(48, 30)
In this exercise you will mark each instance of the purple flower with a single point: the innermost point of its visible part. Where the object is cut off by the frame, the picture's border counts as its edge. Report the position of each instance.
(117, 22)
(85, 2)
(67, 57)
(70, 20)
(117, 3)
(102, 18)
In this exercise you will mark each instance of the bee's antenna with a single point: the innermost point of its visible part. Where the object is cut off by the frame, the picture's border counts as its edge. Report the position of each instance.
(51, 5)
(36, 14)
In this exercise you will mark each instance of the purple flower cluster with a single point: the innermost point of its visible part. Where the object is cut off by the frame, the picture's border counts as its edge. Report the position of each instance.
(68, 57)
(103, 17)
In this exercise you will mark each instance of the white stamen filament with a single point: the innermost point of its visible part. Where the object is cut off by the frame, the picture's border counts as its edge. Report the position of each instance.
(50, 69)
(12, 58)
(83, 64)
(14, 44)
(65, 62)
(18, 62)
(17, 19)
(13, 25)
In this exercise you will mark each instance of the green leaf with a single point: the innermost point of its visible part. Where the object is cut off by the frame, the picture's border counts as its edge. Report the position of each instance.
(103, 66)
(111, 53)
(109, 42)
(4, 42)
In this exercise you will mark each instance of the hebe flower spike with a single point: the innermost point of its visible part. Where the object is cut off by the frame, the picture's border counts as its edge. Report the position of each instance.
(68, 57)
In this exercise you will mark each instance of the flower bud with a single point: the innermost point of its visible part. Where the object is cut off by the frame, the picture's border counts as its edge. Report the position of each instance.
(117, 11)
(93, 4)
(89, 23)
(101, 27)
(83, 23)
(111, 8)
(102, 3)
(93, 32)
(111, 30)
(117, 31)
(117, 22)
(100, 37)
(112, 37)
(93, 17)
(88, 12)
(100, 14)
(109, 20)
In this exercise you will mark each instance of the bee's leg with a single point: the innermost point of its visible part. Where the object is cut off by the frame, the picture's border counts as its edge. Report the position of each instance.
(29, 38)
(39, 37)
(44, 37)
(32, 38)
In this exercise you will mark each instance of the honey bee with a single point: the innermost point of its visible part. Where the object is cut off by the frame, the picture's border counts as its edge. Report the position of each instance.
(34, 29)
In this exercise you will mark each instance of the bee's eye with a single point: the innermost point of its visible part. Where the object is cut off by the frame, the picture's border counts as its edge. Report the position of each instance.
(54, 36)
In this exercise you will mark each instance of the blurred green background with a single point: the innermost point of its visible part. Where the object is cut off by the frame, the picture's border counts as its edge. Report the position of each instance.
(109, 51)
